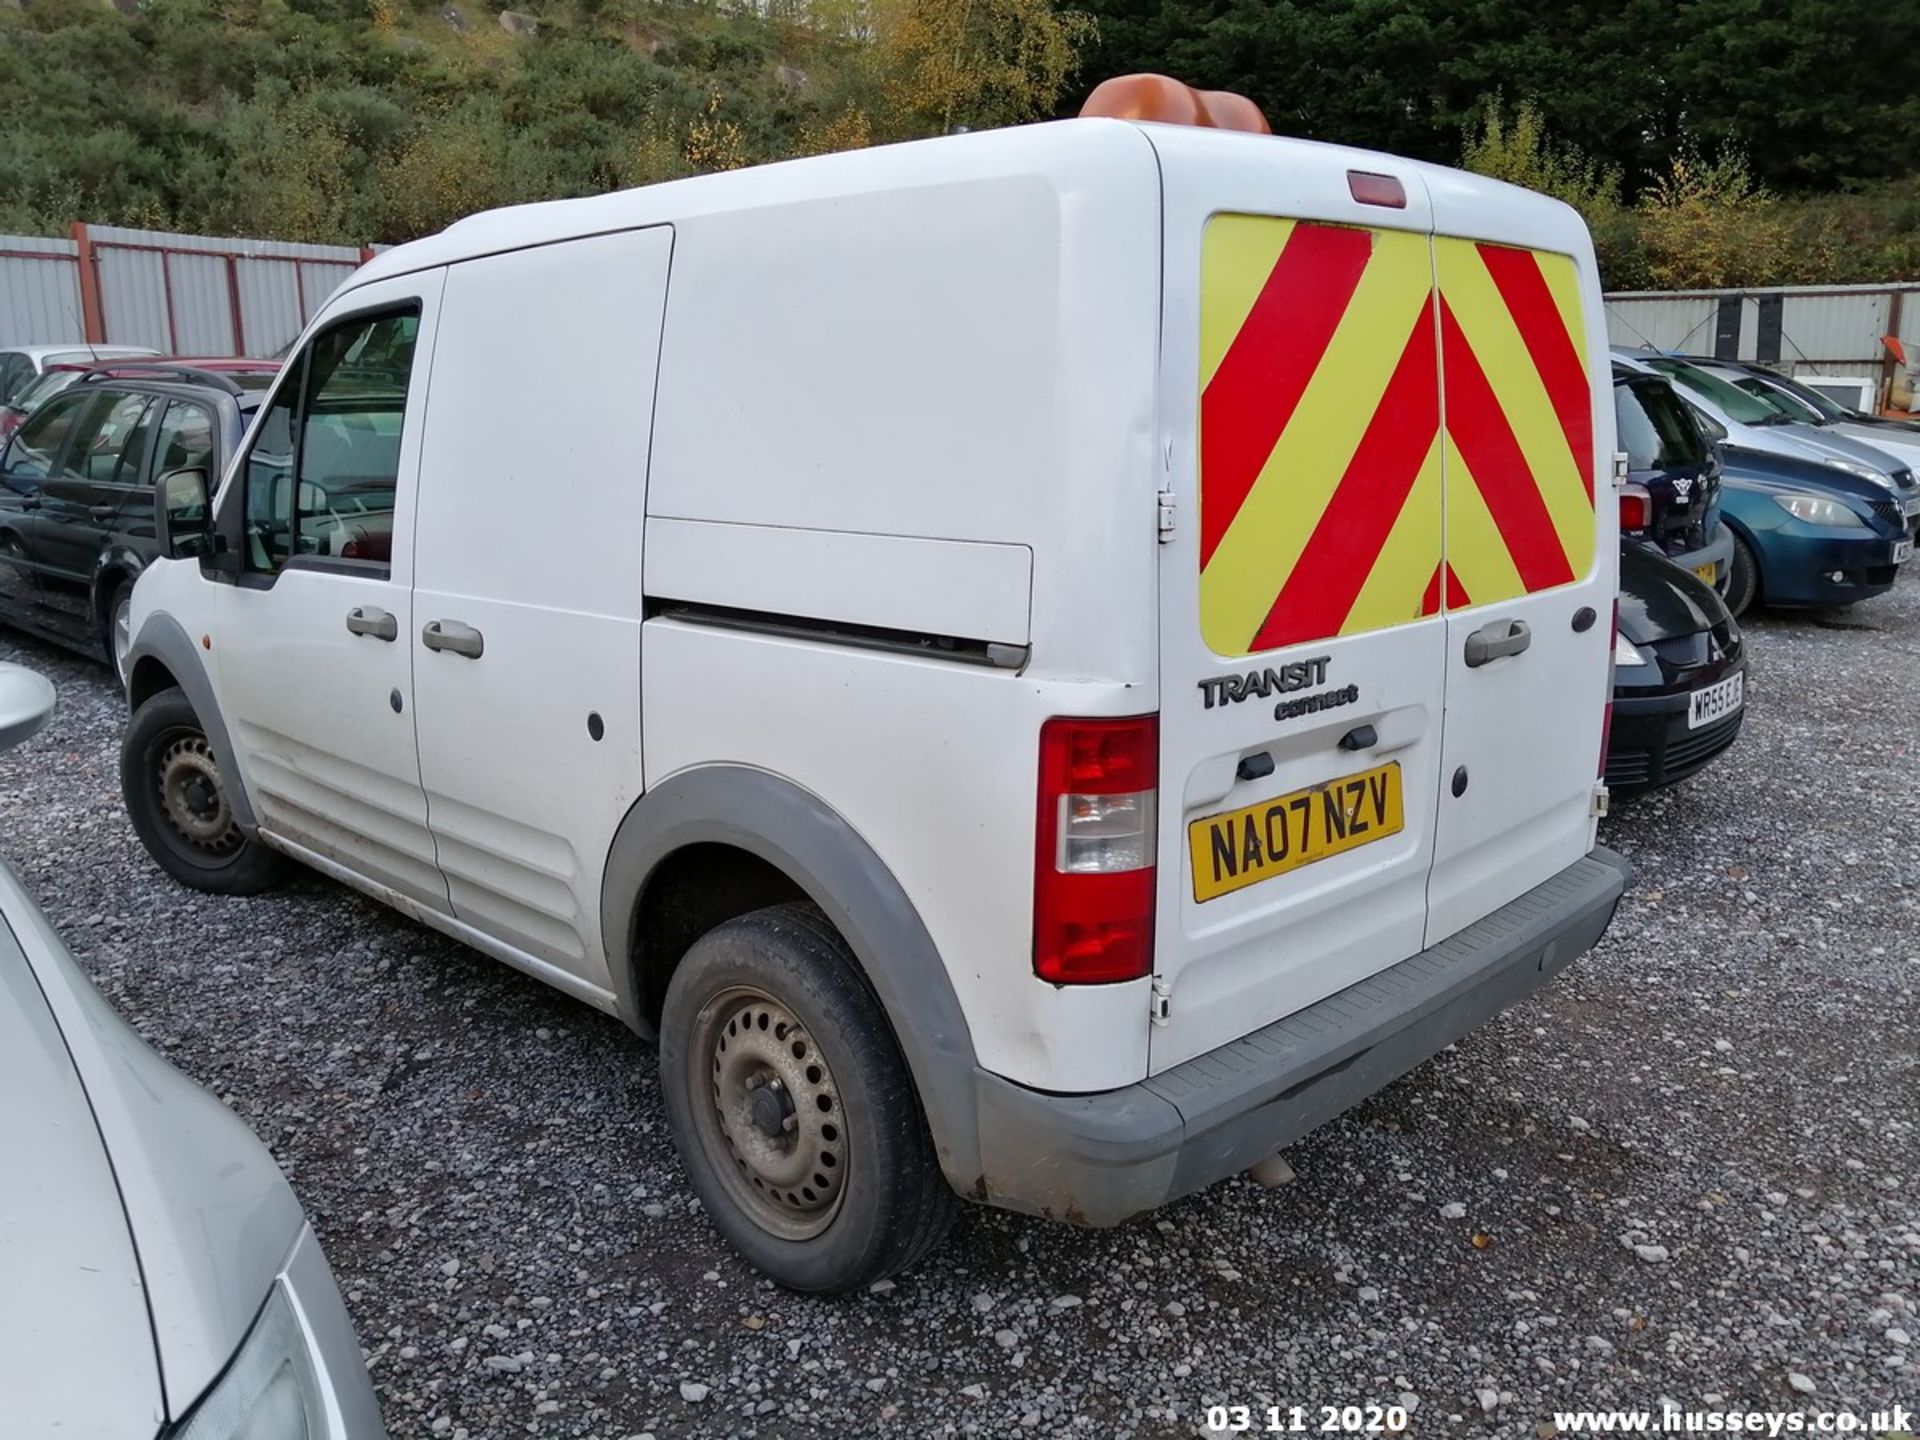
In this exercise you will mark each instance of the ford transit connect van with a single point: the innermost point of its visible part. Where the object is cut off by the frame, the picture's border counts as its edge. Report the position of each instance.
(995, 651)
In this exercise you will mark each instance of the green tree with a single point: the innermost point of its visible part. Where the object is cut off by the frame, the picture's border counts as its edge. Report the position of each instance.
(1513, 145)
(977, 63)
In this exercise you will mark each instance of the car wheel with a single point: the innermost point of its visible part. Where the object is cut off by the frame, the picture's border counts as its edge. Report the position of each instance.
(119, 630)
(793, 1109)
(13, 555)
(1743, 584)
(179, 806)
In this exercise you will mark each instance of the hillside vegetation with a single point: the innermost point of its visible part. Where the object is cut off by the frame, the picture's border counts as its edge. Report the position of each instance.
(1707, 143)
(353, 120)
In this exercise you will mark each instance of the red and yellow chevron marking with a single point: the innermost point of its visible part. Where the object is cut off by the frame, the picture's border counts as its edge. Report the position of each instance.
(1322, 454)
(1519, 454)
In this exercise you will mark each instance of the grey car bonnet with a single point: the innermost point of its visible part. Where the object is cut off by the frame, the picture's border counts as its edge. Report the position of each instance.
(210, 1216)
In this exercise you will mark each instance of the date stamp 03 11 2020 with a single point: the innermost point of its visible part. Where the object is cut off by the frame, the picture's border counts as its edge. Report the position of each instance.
(1307, 1420)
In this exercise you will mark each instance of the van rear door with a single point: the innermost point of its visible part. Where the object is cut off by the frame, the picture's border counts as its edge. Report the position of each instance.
(1302, 647)
(1532, 543)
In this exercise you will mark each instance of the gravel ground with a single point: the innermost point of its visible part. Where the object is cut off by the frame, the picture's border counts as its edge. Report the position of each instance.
(1688, 1170)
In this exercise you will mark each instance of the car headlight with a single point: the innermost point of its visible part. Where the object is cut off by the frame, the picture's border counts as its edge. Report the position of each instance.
(1818, 510)
(1625, 653)
(269, 1391)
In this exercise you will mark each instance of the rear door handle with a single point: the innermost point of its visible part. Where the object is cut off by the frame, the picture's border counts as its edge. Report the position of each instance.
(1502, 637)
(103, 513)
(371, 620)
(452, 635)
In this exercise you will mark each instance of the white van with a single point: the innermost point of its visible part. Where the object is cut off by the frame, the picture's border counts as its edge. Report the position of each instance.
(989, 649)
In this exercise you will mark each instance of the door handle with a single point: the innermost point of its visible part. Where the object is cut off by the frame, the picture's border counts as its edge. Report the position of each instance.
(1502, 637)
(452, 635)
(103, 513)
(371, 620)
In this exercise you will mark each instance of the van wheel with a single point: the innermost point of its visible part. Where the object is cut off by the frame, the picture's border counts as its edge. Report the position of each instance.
(792, 1108)
(179, 806)
(1743, 582)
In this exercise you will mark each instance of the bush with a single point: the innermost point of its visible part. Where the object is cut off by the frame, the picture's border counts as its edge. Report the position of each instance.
(356, 120)
(1704, 222)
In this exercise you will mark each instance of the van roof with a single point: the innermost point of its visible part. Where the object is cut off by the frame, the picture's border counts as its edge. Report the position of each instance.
(1055, 147)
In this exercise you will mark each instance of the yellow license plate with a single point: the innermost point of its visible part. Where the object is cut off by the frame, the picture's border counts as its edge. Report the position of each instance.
(1707, 572)
(1244, 847)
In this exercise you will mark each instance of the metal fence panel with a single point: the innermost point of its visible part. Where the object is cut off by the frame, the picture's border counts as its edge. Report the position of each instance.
(1676, 322)
(202, 304)
(172, 292)
(273, 301)
(1833, 329)
(39, 291)
(1823, 327)
(133, 298)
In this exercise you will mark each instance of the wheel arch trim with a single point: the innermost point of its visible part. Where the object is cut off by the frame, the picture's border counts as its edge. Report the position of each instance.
(118, 564)
(796, 831)
(161, 638)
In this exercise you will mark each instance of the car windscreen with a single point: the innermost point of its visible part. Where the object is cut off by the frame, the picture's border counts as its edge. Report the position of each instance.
(1788, 404)
(1735, 403)
(1813, 399)
(48, 385)
(1656, 430)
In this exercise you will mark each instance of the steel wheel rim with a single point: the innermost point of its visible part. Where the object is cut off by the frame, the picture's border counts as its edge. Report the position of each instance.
(768, 1112)
(16, 555)
(122, 637)
(192, 797)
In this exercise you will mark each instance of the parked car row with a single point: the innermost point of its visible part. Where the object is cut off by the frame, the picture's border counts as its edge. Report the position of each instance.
(1742, 487)
(77, 480)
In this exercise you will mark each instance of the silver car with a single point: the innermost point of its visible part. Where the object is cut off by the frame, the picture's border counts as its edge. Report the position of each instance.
(157, 1275)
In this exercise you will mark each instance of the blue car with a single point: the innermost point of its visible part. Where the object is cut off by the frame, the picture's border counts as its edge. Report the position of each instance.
(1805, 533)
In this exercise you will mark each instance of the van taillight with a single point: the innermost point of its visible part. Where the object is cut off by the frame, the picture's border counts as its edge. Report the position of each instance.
(1636, 507)
(1093, 870)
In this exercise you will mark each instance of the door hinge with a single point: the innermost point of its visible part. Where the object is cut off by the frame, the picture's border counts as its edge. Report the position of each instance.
(1166, 517)
(1601, 798)
(1160, 1001)
(1620, 463)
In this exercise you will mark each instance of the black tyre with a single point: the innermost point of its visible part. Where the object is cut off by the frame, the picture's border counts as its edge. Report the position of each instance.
(1743, 582)
(793, 1109)
(178, 803)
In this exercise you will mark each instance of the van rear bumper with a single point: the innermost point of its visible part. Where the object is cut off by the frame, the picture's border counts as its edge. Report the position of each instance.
(1100, 1159)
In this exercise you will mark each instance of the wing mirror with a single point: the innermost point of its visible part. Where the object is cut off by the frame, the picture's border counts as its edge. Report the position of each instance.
(182, 522)
(26, 700)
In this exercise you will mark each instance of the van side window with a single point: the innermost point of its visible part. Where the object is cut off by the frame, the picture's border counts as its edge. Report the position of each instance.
(325, 461)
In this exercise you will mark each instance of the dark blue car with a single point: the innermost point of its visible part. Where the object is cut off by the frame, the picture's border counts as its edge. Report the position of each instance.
(1806, 533)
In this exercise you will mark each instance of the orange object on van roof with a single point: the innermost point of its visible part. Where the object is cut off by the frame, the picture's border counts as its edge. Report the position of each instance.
(1162, 98)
